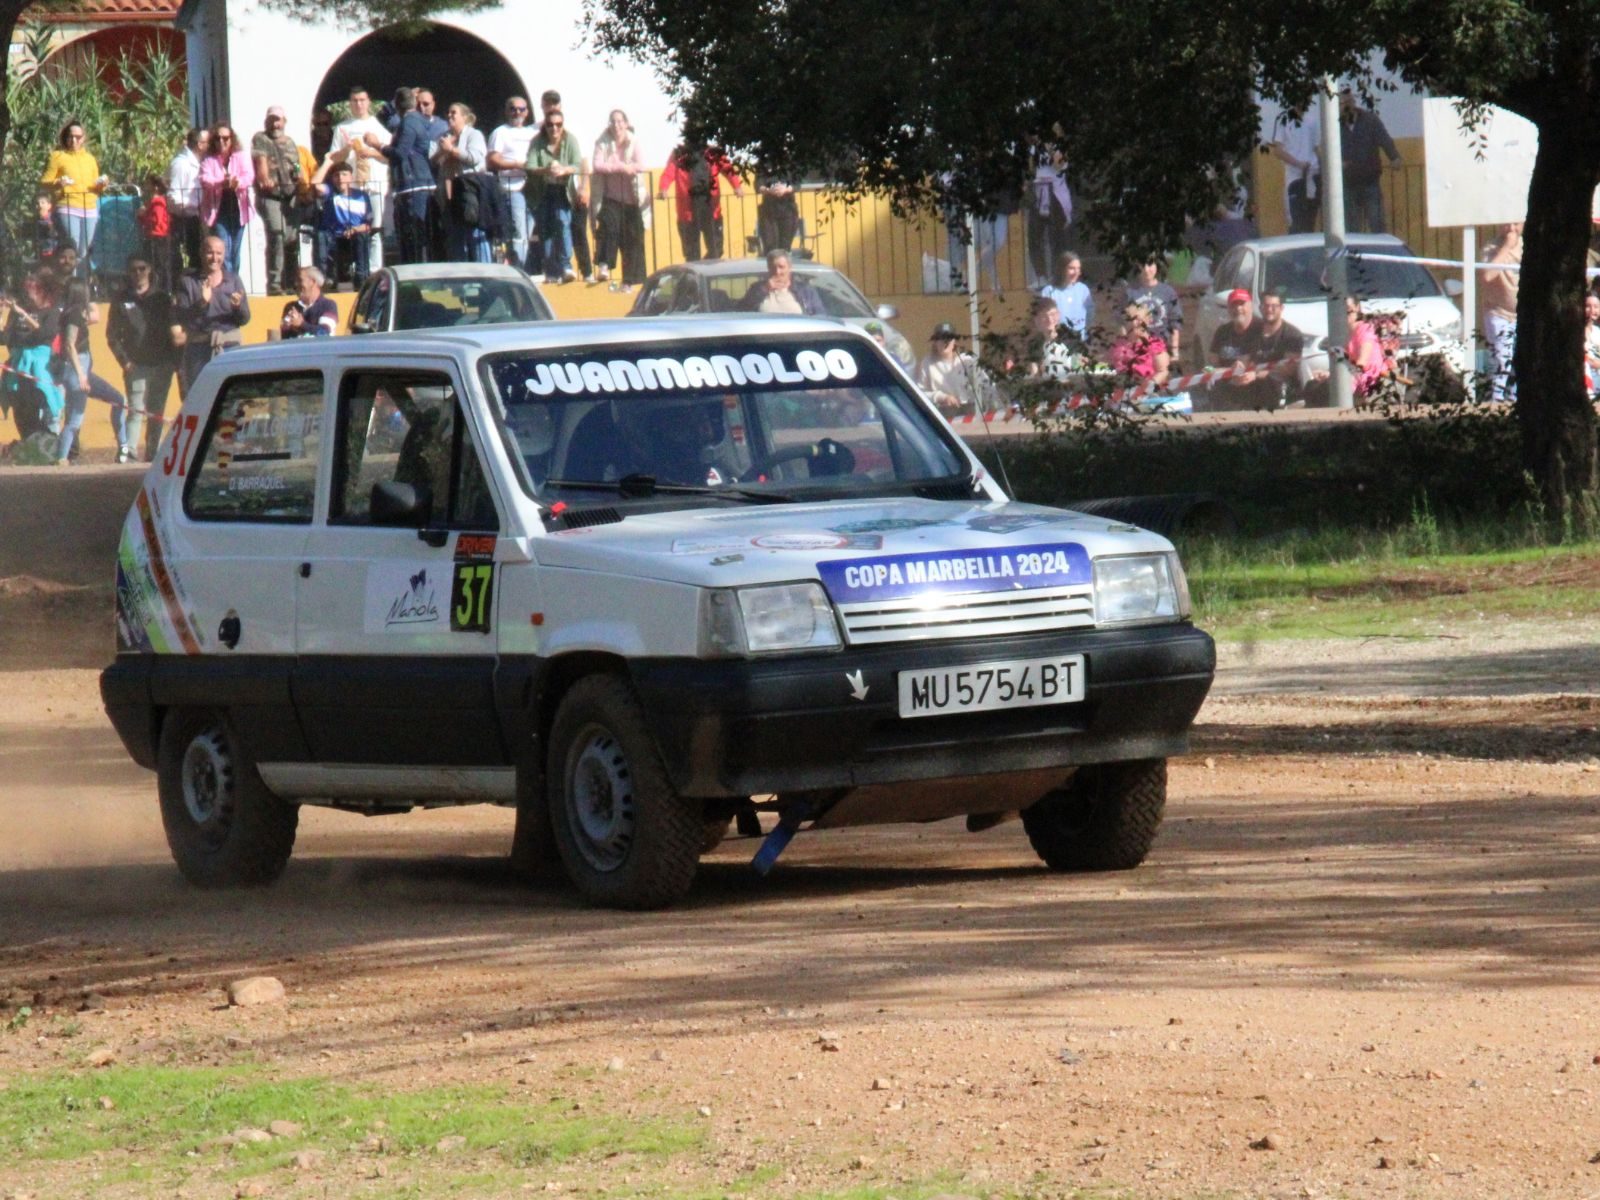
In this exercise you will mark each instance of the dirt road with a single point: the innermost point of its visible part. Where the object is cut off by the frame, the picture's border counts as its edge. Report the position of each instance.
(1361, 961)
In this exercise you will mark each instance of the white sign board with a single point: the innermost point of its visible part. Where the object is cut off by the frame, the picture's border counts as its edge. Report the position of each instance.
(1478, 176)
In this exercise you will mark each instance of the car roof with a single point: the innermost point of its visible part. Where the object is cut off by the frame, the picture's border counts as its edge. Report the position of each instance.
(540, 335)
(745, 266)
(421, 272)
(1302, 241)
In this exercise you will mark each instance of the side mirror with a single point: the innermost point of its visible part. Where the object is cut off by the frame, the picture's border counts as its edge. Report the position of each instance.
(360, 325)
(404, 505)
(1453, 287)
(887, 312)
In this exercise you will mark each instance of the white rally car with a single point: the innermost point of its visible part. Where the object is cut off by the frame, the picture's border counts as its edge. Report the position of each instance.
(637, 579)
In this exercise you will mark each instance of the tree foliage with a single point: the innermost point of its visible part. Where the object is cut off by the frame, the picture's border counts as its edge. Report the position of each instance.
(936, 102)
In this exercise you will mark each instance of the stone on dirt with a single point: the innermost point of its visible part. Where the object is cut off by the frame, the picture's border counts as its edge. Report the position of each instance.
(1268, 1141)
(307, 1160)
(445, 1145)
(251, 1135)
(101, 1056)
(257, 989)
(616, 1064)
(283, 1129)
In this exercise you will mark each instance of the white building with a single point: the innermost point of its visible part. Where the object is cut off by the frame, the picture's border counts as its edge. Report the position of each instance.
(244, 58)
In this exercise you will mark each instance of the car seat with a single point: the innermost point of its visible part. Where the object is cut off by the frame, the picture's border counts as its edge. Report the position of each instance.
(595, 447)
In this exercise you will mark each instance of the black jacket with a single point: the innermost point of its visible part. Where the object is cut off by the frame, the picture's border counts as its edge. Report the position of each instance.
(139, 328)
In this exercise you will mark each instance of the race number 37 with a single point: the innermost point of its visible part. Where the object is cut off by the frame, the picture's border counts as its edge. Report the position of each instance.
(178, 448)
(470, 596)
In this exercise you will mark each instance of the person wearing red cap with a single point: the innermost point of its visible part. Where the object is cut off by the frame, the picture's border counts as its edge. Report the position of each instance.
(1235, 345)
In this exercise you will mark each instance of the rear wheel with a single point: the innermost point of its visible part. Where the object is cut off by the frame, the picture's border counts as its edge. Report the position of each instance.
(224, 827)
(628, 840)
(1105, 819)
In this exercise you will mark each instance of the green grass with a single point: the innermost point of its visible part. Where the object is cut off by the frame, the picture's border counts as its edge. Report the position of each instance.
(161, 1114)
(1348, 583)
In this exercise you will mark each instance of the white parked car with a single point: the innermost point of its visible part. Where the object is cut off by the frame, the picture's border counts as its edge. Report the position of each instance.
(446, 296)
(1430, 322)
(635, 579)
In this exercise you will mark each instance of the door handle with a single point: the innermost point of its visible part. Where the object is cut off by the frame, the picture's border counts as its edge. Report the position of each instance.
(305, 570)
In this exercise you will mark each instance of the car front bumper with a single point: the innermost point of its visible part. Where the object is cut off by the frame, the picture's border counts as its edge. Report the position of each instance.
(792, 724)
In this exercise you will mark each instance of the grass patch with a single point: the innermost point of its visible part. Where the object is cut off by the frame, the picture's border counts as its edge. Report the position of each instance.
(1351, 583)
(161, 1114)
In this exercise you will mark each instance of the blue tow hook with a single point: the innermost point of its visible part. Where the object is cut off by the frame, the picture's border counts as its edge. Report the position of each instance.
(778, 840)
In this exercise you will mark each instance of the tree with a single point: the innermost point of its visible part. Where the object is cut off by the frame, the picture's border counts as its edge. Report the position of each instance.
(936, 101)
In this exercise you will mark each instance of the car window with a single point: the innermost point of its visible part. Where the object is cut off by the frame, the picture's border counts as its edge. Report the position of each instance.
(838, 295)
(1301, 274)
(437, 303)
(820, 418)
(262, 444)
(1244, 275)
(378, 303)
(685, 294)
(1227, 269)
(407, 427)
(655, 297)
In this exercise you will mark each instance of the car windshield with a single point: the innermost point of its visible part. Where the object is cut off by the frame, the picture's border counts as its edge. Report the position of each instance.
(838, 295)
(439, 303)
(1300, 275)
(744, 419)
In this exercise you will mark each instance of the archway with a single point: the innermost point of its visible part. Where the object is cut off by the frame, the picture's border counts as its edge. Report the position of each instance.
(451, 62)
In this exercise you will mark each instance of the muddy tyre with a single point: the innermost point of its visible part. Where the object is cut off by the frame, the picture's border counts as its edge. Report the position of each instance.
(627, 839)
(1105, 819)
(224, 827)
(712, 833)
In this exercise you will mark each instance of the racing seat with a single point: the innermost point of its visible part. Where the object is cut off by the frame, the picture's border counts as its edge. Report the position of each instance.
(595, 447)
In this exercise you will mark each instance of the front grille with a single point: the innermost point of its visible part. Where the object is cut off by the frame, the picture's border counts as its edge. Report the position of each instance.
(972, 614)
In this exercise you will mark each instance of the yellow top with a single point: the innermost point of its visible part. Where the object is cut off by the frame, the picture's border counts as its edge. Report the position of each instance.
(78, 166)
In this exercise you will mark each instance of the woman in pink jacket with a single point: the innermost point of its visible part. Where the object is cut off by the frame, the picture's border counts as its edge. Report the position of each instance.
(227, 192)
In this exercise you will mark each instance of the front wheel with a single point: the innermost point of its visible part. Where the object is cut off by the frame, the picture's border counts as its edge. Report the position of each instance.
(628, 840)
(1105, 819)
(223, 825)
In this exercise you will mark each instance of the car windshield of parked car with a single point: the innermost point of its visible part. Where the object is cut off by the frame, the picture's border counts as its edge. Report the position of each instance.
(1301, 275)
(744, 419)
(439, 303)
(838, 295)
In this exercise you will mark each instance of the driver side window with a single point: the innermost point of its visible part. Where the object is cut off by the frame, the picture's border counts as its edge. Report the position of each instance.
(408, 428)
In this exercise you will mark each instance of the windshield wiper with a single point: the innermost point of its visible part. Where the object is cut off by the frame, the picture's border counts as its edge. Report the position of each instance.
(639, 486)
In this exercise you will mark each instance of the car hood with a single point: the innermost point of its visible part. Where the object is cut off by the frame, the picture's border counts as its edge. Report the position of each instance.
(1424, 314)
(723, 547)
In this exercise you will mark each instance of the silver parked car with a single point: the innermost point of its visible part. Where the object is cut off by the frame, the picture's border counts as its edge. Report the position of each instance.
(443, 295)
(720, 285)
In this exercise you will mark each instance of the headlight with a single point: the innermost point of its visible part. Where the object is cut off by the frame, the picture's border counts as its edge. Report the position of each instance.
(1139, 587)
(761, 620)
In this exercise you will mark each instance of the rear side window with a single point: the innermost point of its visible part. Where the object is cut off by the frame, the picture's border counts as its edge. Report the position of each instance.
(262, 446)
(408, 427)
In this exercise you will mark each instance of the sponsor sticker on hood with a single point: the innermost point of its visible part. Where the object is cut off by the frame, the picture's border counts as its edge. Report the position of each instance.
(996, 569)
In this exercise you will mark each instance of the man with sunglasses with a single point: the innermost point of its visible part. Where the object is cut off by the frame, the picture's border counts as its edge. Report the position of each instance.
(508, 156)
(554, 165)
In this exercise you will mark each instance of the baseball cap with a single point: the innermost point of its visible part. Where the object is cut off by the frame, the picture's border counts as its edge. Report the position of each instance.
(1238, 296)
(943, 330)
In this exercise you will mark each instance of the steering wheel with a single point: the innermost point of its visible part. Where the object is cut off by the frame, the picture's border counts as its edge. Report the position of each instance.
(824, 458)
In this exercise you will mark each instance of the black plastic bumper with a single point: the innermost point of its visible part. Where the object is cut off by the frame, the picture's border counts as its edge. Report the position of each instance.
(748, 727)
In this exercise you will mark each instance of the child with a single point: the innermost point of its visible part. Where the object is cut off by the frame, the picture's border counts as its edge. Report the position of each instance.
(344, 230)
(44, 228)
(156, 223)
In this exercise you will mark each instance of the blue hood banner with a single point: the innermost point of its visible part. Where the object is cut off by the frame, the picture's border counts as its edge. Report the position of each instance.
(1000, 569)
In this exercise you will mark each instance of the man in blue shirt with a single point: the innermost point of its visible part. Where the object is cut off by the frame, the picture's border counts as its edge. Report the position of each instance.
(344, 227)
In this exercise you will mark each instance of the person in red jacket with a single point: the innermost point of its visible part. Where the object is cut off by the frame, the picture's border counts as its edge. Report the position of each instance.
(695, 174)
(155, 222)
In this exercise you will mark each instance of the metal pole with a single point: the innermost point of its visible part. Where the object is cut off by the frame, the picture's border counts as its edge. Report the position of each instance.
(1341, 390)
(1469, 303)
(972, 281)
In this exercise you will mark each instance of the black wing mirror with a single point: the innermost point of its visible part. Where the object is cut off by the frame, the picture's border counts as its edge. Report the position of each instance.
(405, 505)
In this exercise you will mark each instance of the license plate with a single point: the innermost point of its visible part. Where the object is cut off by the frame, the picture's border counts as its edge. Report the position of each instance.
(1022, 683)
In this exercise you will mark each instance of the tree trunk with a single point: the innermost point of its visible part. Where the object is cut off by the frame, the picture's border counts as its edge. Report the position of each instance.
(1553, 408)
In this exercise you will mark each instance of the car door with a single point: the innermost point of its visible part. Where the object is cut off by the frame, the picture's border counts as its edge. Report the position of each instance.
(227, 560)
(396, 626)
